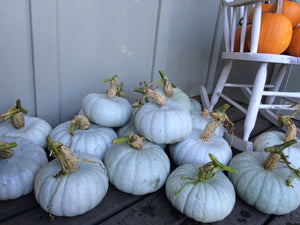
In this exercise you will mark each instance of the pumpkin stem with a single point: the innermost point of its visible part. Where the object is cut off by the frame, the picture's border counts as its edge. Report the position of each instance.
(15, 113)
(132, 139)
(205, 113)
(80, 122)
(150, 93)
(66, 157)
(219, 116)
(112, 91)
(6, 149)
(276, 154)
(206, 172)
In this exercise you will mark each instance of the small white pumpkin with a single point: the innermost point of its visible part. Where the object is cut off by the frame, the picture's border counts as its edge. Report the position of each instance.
(94, 139)
(195, 106)
(17, 171)
(195, 149)
(107, 110)
(71, 191)
(198, 196)
(19, 125)
(163, 122)
(137, 170)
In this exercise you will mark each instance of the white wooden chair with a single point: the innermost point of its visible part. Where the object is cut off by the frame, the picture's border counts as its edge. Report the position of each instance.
(232, 11)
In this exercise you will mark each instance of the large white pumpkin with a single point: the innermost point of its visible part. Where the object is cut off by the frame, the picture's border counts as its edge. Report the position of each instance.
(205, 202)
(95, 140)
(74, 193)
(163, 124)
(135, 171)
(18, 171)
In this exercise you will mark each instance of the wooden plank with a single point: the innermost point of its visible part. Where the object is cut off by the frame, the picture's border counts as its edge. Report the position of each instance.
(155, 209)
(45, 53)
(11, 208)
(113, 202)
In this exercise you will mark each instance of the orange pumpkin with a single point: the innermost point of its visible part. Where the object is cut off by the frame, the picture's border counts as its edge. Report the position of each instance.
(291, 10)
(294, 47)
(265, 8)
(237, 39)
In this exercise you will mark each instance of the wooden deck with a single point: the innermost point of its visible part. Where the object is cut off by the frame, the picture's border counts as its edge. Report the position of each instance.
(125, 209)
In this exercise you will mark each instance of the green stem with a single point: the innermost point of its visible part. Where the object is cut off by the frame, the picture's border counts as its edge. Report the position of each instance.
(14, 110)
(8, 145)
(132, 139)
(55, 147)
(110, 79)
(206, 172)
(279, 148)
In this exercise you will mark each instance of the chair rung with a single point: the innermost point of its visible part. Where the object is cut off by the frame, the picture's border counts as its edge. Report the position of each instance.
(286, 107)
(234, 103)
(282, 94)
(245, 85)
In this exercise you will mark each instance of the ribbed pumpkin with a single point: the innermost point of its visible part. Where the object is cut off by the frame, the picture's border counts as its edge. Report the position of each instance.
(294, 47)
(265, 8)
(291, 10)
(275, 33)
(237, 39)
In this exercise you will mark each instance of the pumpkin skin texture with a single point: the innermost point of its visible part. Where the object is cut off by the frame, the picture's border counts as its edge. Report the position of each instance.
(35, 129)
(275, 34)
(271, 138)
(194, 150)
(78, 192)
(195, 106)
(178, 96)
(204, 202)
(17, 172)
(266, 190)
(294, 47)
(135, 171)
(163, 124)
(95, 140)
(106, 112)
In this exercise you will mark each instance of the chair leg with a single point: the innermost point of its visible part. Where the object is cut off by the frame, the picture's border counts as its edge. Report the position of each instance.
(255, 100)
(220, 84)
(279, 77)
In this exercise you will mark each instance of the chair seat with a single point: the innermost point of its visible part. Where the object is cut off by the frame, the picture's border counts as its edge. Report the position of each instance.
(261, 57)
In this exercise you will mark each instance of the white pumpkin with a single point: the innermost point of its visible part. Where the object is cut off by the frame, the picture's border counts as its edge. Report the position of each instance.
(195, 106)
(95, 140)
(35, 129)
(266, 190)
(271, 138)
(106, 112)
(72, 194)
(178, 96)
(163, 124)
(136, 171)
(18, 171)
(195, 150)
(200, 122)
(204, 201)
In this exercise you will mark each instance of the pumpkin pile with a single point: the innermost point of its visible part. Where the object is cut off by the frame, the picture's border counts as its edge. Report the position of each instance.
(278, 31)
(132, 147)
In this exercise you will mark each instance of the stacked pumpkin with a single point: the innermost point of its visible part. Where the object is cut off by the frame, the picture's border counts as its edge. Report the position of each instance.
(279, 30)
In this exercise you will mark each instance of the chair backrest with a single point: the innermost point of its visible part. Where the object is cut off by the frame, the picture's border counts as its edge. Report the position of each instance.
(235, 13)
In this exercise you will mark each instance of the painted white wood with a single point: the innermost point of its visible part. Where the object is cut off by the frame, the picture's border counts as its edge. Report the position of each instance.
(255, 29)
(45, 61)
(101, 38)
(220, 85)
(16, 73)
(255, 100)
